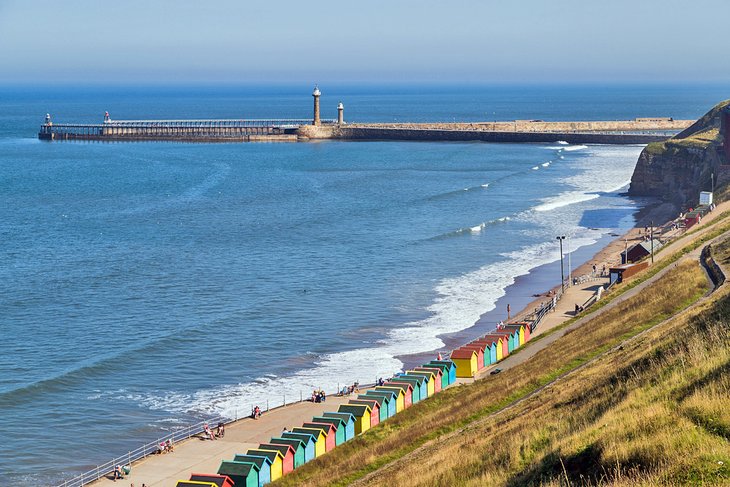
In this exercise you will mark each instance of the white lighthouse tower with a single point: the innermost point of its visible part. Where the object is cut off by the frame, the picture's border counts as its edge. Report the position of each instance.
(316, 93)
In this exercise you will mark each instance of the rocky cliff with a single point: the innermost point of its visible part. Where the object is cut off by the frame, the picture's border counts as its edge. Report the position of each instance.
(678, 169)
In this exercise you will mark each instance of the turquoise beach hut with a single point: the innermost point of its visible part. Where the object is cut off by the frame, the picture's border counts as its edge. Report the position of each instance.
(339, 425)
(491, 345)
(444, 370)
(309, 443)
(382, 405)
(263, 464)
(389, 400)
(451, 367)
(422, 381)
(245, 474)
(297, 445)
(349, 420)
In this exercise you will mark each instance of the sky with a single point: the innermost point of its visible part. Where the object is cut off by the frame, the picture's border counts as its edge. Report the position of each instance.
(396, 41)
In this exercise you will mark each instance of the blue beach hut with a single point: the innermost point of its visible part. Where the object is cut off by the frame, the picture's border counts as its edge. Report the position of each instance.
(298, 446)
(309, 443)
(349, 420)
(443, 370)
(389, 400)
(421, 381)
(339, 424)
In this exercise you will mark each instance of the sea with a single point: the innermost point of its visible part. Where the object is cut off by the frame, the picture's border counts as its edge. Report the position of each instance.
(147, 286)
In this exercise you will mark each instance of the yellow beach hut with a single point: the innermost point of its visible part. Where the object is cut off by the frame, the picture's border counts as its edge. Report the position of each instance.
(320, 440)
(466, 362)
(277, 461)
(362, 416)
(400, 398)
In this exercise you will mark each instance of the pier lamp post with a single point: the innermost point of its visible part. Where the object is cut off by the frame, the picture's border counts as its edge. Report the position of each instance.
(560, 239)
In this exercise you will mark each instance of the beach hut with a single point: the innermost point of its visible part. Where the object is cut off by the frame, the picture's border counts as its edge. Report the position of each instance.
(502, 345)
(286, 451)
(263, 464)
(374, 409)
(277, 461)
(218, 480)
(362, 416)
(310, 443)
(349, 420)
(415, 384)
(466, 362)
(298, 446)
(490, 350)
(526, 327)
(420, 382)
(400, 396)
(329, 430)
(519, 329)
(383, 404)
(445, 374)
(339, 425)
(407, 391)
(389, 400)
(438, 377)
(451, 367)
(247, 473)
(193, 483)
(431, 380)
(320, 439)
(479, 349)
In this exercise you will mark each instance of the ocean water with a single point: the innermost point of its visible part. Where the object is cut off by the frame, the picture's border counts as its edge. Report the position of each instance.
(150, 285)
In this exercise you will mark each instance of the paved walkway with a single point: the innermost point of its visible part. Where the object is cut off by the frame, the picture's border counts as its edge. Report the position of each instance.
(204, 456)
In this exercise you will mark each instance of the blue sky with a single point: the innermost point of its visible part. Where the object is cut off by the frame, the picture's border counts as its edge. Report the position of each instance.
(485, 41)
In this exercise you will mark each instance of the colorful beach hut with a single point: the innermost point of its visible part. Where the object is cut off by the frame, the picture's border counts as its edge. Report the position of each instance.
(445, 375)
(479, 349)
(525, 327)
(430, 380)
(510, 337)
(247, 474)
(310, 443)
(263, 464)
(416, 385)
(519, 331)
(276, 458)
(374, 409)
(407, 390)
(451, 367)
(329, 430)
(320, 439)
(490, 350)
(466, 362)
(349, 420)
(389, 400)
(400, 400)
(502, 345)
(193, 483)
(418, 382)
(383, 413)
(438, 377)
(297, 445)
(362, 416)
(339, 425)
(286, 451)
(218, 480)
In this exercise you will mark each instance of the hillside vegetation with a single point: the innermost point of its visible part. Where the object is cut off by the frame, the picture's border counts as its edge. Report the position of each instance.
(652, 413)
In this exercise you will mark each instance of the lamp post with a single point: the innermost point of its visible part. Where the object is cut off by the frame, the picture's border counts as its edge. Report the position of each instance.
(560, 239)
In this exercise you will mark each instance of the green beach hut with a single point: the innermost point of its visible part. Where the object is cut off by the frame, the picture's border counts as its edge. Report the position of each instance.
(320, 439)
(310, 443)
(382, 405)
(349, 420)
(389, 400)
(297, 445)
(430, 380)
(400, 396)
(450, 366)
(339, 424)
(443, 370)
(246, 474)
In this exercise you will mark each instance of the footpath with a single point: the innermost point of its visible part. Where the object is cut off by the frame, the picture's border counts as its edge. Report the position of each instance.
(204, 455)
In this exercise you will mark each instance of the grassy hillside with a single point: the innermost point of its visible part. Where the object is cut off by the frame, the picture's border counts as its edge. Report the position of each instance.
(464, 442)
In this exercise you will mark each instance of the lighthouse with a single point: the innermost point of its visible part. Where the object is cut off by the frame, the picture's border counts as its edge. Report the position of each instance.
(316, 94)
(340, 114)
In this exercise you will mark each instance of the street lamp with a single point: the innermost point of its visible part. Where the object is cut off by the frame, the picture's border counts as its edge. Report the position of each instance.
(562, 271)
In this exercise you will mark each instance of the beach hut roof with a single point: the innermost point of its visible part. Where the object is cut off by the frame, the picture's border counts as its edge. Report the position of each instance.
(259, 460)
(355, 409)
(450, 364)
(344, 415)
(463, 353)
(326, 426)
(429, 372)
(218, 480)
(293, 442)
(379, 398)
(239, 468)
(492, 336)
(283, 449)
(390, 393)
(193, 483)
(421, 379)
(270, 454)
(371, 403)
(475, 346)
(336, 422)
(312, 430)
(486, 341)
(404, 386)
(305, 437)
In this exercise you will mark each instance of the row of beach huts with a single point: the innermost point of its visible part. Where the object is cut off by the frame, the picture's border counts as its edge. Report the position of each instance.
(282, 454)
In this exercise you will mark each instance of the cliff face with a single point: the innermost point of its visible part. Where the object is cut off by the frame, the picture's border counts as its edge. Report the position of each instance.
(678, 169)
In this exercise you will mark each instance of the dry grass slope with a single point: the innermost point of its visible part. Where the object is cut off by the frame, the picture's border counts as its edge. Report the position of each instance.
(528, 443)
